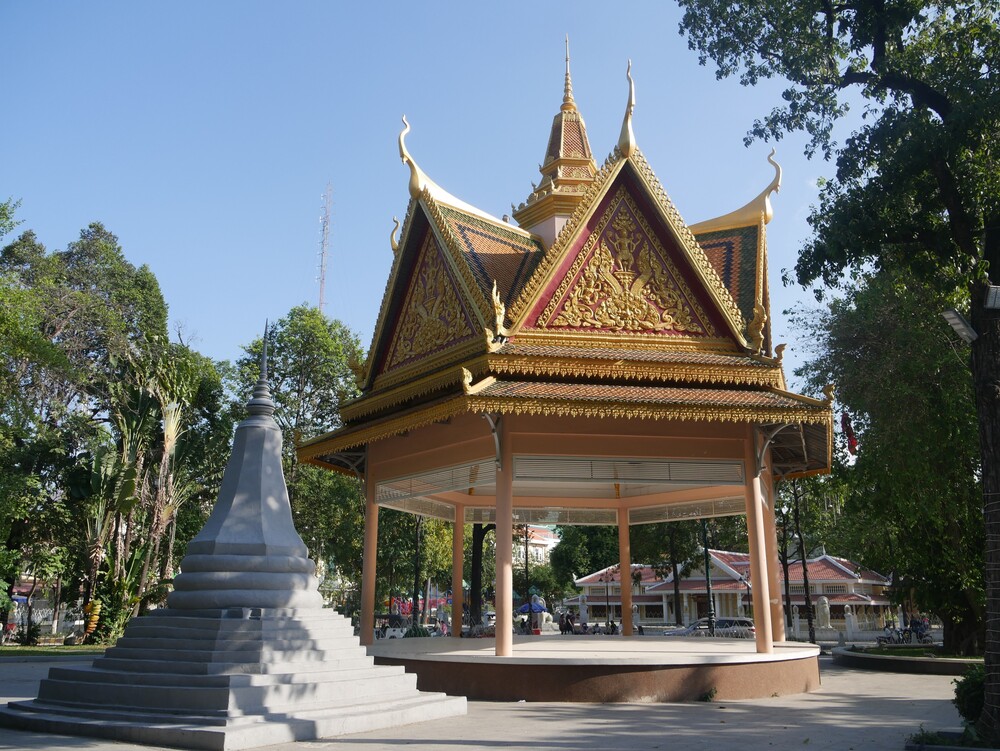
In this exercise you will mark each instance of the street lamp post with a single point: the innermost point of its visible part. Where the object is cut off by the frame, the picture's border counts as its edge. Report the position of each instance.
(606, 578)
(708, 578)
(746, 581)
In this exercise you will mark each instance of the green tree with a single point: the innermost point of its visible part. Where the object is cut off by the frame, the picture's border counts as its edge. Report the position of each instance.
(80, 314)
(912, 503)
(670, 548)
(916, 186)
(582, 550)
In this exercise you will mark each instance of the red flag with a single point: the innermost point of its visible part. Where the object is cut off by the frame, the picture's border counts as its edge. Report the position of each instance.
(848, 429)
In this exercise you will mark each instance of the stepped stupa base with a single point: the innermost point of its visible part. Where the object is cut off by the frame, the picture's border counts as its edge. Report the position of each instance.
(229, 679)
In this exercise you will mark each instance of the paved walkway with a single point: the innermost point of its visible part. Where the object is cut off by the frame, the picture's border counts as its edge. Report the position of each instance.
(854, 710)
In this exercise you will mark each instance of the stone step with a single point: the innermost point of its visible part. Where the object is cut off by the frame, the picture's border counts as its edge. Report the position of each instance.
(85, 674)
(230, 735)
(79, 690)
(245, 629)
(201, 667)
(259, 653)
(217, 644)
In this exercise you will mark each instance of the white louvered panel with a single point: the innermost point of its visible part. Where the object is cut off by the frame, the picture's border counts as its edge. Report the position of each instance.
(458, 477)
(653, 471)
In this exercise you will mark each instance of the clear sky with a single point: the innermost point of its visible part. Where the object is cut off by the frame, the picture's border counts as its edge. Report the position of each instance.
(204, 133)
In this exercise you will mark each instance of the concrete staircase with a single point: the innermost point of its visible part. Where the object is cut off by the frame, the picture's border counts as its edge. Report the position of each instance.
(229, 679)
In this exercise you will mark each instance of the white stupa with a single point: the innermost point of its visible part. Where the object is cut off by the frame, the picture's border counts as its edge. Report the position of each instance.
(244, 654)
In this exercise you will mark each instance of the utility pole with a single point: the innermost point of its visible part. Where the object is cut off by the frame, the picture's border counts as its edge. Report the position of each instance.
(324, 243)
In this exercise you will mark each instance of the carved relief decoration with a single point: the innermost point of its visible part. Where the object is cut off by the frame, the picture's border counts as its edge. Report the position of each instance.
(432, 316)
(623, 281)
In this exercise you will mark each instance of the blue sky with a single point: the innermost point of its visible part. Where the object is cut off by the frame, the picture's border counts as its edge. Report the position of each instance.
(204, 133)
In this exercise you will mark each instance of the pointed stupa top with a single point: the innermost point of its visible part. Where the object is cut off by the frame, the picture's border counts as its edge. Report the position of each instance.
(248, 554)
(569, 167)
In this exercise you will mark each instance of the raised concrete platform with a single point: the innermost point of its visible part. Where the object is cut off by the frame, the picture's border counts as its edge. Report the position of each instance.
(604, 668)
(228, 680)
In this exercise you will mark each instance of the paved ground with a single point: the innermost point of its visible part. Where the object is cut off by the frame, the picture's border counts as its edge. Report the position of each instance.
(854, 710)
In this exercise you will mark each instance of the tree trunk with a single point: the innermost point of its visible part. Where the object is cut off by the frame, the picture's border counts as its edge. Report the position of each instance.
(415, 613)
(796, 493)
(479, 532)
(675, 571)
(986, 380)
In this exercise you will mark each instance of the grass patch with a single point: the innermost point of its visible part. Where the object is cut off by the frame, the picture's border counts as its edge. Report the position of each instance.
(51, 651)
(966, 739)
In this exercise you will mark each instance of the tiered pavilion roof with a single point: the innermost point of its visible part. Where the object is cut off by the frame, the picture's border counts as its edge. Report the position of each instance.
(622, 359)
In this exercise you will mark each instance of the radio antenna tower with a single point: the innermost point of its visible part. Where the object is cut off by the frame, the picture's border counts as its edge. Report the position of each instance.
(324, 243)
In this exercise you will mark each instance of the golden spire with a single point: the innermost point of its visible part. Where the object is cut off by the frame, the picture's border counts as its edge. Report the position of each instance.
(626, 141)
(568, 169)
(568, 102)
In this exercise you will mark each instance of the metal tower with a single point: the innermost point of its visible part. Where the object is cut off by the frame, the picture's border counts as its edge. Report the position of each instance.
(324, 243)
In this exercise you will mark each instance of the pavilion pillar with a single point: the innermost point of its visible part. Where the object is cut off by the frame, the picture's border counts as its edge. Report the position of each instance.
(758, 554)
(504, 544)
(625, 572)
(773, 562)
(367, 631)
(457, 561)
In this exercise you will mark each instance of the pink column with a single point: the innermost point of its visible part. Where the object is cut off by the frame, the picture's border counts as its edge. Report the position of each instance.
(625, 567)
(505, 546)
(773, 562)
(758, 554)
(457, 559)
(368, 561)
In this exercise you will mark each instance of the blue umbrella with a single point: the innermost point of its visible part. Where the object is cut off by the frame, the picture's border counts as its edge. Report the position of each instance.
(534, 607)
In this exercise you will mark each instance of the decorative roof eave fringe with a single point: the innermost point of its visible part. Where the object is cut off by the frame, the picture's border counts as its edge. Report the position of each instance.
(452, 355)
(481, 404)
(638, 371)
(391, 397)
(562, 367)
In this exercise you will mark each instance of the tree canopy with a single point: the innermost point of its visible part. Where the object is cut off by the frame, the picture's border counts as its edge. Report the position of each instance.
(916, 184)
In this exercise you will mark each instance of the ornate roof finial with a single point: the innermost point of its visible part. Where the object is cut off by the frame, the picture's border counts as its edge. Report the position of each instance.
(261, 402)
(393, 240)
(417, 178)
(626, 141)
(752, 213)
(568, 87)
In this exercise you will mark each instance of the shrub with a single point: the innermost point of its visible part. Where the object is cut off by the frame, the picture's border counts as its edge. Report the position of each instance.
(970, 691)
(27, 635)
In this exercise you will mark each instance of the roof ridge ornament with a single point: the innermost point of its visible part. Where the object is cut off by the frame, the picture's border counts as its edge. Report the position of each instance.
(418, 180)
(626, 141)
(394, 236)
(751, 214)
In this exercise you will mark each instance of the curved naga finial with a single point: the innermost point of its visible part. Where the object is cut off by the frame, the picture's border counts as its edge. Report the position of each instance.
(626, 141)
(393, 238)
(417, 178)
(752, 213)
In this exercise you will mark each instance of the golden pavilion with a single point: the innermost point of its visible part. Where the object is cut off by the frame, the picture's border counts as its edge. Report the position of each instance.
(594, 361)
